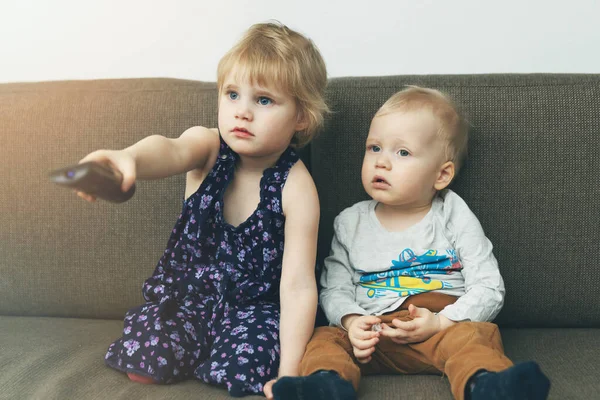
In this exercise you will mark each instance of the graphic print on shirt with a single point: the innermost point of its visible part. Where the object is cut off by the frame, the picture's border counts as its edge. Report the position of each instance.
(410, 274)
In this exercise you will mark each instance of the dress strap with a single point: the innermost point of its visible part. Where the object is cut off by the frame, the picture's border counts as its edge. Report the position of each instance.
(217, 179)
(274, 179)
(225, 152)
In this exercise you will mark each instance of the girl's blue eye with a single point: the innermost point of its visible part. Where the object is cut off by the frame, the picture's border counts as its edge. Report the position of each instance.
(374, 148)
(233, 95)
(264, 101)
(403, 153)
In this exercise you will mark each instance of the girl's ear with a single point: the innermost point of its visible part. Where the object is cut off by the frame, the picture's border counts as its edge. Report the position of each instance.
(445, 175)
(301, 122)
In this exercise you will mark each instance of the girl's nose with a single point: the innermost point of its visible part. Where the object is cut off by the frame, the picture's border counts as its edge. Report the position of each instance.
(243, 111)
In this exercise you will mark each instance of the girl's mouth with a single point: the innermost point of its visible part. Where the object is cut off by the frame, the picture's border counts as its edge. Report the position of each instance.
(241, 132)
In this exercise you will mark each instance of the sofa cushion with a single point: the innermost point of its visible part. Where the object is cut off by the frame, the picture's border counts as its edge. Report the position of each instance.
(62, 358)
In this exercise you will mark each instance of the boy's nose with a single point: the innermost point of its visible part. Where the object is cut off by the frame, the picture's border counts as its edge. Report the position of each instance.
(382, 161)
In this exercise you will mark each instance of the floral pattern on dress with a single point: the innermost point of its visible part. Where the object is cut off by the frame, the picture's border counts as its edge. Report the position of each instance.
(212, 310)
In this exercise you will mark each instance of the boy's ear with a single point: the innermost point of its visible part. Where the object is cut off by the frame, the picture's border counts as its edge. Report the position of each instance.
(445, 175)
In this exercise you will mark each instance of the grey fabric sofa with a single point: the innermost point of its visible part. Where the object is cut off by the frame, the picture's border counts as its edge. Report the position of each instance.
(69, 270)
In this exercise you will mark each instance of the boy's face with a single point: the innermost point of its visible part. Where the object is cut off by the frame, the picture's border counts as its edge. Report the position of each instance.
(403, 159)
(254, 120)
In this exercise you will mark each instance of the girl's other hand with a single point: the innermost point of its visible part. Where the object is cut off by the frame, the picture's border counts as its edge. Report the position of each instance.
(268, 389)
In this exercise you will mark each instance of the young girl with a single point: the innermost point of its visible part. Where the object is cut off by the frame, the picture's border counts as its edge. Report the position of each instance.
(237, 278)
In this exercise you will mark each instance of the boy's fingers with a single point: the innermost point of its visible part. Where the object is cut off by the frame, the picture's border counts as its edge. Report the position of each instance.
(359, 353)
(396, 333)
(400, 340)
(366, 344)
(404, 325)
(368, 321)
(388, 331)
(365, 335)
(364, 360)
(418, 311)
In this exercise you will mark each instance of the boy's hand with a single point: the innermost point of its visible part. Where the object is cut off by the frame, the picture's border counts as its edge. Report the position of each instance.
(362, 338)
(120, 161)
(424, 325)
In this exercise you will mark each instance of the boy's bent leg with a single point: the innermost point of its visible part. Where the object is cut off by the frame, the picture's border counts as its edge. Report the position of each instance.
(329, 349)
(462, 350)
(521, 381)
(327, 370)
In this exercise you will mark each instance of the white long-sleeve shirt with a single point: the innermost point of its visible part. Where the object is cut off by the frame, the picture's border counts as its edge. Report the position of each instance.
(371, 271)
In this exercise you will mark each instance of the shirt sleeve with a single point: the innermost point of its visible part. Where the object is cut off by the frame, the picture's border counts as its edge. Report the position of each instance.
(337, 294)
(484, 286)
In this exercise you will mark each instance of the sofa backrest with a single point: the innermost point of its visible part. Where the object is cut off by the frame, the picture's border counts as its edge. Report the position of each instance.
(62, 256)
(530, 178)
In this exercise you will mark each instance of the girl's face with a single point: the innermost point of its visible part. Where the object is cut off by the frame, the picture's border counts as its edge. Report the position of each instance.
(256, 121)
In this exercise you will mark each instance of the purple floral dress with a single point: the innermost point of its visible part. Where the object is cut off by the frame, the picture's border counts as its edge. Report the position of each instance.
(212, 309)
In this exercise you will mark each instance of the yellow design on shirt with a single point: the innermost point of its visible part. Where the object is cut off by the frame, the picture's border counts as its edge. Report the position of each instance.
(403, 285)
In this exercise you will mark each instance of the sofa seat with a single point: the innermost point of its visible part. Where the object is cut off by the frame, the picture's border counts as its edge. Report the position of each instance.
(49, 358)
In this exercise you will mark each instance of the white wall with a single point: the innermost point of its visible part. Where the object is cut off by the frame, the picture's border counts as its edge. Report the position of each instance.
(74, 39)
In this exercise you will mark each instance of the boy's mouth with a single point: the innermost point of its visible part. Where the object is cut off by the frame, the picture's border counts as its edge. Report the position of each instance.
(380, 182)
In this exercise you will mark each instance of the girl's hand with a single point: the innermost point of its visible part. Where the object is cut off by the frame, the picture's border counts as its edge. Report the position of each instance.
(268, 389)
(424, 325)
(362, 338)
(120, 161)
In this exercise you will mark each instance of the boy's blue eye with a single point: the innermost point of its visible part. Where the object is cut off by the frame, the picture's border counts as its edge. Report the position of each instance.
(375, 148)
(403, 153)
(233, 95)
(264, 101)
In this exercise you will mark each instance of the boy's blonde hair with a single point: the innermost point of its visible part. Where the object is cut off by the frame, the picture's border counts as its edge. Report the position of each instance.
(453, 127)
(271, 54)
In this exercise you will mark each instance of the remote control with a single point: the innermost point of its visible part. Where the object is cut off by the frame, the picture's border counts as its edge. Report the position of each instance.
(93, 178)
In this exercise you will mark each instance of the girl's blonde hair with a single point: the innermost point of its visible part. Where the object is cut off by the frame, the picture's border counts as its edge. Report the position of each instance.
(271, 54)
(453, 127)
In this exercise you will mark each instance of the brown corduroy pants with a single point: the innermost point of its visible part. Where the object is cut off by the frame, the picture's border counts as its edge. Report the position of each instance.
(458, 351)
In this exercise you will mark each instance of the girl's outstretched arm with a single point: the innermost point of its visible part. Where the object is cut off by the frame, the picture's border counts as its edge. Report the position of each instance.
(298, 290)
(158, 157)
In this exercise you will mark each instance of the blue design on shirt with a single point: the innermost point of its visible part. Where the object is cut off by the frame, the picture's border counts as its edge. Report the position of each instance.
(415, 270)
